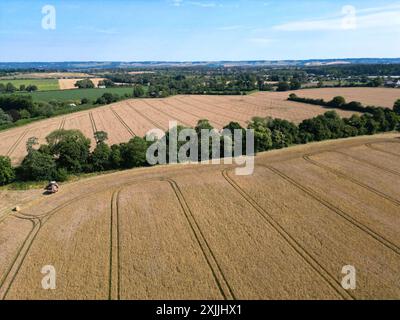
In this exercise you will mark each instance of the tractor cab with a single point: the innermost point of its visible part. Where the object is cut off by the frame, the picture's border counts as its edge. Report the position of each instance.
(52, 187)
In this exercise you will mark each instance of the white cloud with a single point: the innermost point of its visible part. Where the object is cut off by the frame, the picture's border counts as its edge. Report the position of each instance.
(388, 16)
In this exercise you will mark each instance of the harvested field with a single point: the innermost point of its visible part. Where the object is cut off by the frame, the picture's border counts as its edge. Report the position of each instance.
(125, 119)
(380, 97)
(201, 232)
(67, 84)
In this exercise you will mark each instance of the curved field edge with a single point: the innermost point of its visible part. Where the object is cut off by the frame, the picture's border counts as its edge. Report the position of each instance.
(117, 180)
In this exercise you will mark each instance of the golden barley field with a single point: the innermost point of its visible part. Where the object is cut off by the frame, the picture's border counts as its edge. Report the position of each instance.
(203, 232)
(379, 97)
(126, 119)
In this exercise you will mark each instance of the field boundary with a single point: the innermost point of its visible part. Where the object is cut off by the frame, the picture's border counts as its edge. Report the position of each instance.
(343, 175)
(290, 240)
(313, 194)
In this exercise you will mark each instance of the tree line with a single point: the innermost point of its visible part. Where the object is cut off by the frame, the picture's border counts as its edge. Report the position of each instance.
(68, 152)
(11, 88)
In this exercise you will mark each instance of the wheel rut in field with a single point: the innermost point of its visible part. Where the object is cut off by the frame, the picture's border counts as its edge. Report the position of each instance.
(368, 162)
(115, 272)
(124, 124)
(168, 115)
(209, 256)
(197, 116)
(92, 122)
(21, 253)
(154, 123)
(374, 147)
(290, 240)
(16, 143)
(311, 193)
(343, 175)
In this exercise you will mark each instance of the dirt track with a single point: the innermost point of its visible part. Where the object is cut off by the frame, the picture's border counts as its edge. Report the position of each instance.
(200, 231)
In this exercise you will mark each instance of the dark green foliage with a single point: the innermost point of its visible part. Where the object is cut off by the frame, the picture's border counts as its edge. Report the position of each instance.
(262, 134)
(100, 157)
(7, 173)
(283, 86)
(138, 91)
(37, 166)
(295, 84)
(70, 148)
(68, 151)
(61, 175)
(84, 84)
(396, 107)
(31, 88)
(100, 136)
(337, 102)
(4, 118)
(115, 157)
(108, 98)
(133, 153)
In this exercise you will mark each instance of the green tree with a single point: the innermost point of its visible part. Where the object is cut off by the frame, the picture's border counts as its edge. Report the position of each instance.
(84, 84)
(24, 114)
(10, 88)
(22, 87)
(337, 102)
(138, 91)
(283, 86)
(37, 166)
(100, 157)
(5, 118)
(262, 134)
(295, 84)
(115, 156)
(133, 153)
(278, 140)
(32, 141)
(31, 88)
(100, 136)
(7, 173)
(70, 148)
(85, 101)
(396, 107)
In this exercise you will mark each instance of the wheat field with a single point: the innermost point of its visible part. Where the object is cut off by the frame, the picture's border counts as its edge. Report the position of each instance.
(135, 117)
(201, 232)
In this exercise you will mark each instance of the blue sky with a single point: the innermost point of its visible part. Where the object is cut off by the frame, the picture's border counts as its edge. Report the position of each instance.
(182, 30)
